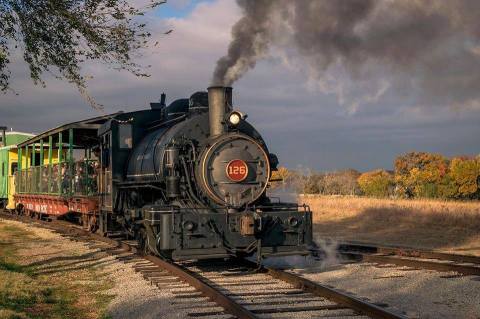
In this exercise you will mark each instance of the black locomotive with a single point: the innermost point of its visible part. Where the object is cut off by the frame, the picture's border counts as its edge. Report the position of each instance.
(188, 180)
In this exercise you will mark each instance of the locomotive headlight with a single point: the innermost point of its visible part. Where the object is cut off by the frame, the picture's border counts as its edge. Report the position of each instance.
(188, 225)
(234, 118)
(293, 222)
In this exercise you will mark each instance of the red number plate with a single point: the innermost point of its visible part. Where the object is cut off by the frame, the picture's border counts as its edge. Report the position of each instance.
(237, 170)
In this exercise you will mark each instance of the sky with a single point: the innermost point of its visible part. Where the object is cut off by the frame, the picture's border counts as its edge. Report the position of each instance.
(307, 124)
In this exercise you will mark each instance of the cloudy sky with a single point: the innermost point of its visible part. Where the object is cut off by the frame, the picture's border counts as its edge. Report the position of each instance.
(306, 123)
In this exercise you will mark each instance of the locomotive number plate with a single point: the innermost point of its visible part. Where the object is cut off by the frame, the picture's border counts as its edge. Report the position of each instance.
(237, 170)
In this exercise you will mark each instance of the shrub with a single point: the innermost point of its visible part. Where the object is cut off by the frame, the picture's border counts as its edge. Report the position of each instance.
(377, 183)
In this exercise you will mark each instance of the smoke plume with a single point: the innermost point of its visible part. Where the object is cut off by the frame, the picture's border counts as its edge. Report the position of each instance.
(250, 40)
(427, 47)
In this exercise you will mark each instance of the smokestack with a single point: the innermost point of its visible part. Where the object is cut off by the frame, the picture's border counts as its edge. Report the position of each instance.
(4, 137)
(219, 104)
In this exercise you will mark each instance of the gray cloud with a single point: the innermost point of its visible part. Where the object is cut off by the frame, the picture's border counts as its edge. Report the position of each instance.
(429, 49)
(302, 123)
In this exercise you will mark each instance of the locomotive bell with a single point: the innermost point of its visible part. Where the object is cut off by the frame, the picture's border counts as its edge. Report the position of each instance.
(219, 104)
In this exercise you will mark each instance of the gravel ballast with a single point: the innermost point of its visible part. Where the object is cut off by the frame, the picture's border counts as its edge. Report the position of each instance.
(417, 293)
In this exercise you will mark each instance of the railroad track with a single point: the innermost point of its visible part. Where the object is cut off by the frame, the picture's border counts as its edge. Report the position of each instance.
(229, 289)
(414, 258)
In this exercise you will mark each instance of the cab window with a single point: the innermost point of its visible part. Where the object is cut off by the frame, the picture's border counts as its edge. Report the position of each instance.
(125, 136)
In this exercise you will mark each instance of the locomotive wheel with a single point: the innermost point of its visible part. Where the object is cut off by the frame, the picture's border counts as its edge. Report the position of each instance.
(142, 241)
(84, 221)
(92, 223)
(19, 209)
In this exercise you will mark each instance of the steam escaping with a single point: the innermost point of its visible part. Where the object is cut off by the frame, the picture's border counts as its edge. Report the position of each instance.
(427, 48)
(327, 257)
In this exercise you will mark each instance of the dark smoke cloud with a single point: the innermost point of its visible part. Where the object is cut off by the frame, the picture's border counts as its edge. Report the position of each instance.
(251, 35)
(427, 48)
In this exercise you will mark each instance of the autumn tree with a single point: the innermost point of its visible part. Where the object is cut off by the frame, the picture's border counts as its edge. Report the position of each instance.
(377, 183)
(418, 174)
(464, 178)
(59, 36)
(281, 177)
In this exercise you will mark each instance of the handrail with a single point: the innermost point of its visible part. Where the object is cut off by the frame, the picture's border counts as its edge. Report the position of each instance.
(79, 178)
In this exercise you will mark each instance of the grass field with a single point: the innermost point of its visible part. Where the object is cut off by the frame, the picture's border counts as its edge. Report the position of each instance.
(33, 283)
(430, 224)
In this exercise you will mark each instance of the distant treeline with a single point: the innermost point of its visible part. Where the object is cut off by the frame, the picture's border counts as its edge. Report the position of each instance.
(416, 175)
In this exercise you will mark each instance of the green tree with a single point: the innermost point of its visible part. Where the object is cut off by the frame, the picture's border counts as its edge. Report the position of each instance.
(377, 183)
(447, 188)
(58, 36)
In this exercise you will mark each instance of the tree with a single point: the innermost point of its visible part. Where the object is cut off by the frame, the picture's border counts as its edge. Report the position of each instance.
(377, 183)
(419, 174)
(465, 177)
(280, 177)
(339, 183)
(59, 36)
(310, 184)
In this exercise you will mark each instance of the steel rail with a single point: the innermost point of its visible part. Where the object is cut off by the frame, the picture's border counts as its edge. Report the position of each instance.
(468, 270)
(332, 294)
(230, 305)
(408, 252)
(341, 298)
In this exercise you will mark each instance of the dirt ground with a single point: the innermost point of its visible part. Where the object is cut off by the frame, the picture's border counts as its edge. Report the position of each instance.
(46, 275)
(43, 275)
(428, 224)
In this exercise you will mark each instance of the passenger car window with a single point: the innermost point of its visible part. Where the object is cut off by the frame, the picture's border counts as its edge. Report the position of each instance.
(14, 168)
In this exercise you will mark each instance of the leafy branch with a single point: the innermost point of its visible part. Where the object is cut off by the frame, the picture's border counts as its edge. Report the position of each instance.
(59, 36)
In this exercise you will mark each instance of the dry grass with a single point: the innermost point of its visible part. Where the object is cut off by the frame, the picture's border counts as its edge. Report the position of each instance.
(36, 282)
(432, 224)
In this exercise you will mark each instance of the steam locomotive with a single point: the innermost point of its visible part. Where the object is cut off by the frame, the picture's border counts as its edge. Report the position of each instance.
(187, 180)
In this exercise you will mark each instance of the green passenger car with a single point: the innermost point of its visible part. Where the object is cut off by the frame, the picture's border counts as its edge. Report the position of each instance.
(9, 162)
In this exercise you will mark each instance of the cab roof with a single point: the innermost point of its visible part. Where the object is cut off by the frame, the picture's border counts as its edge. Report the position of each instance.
(84, 131)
